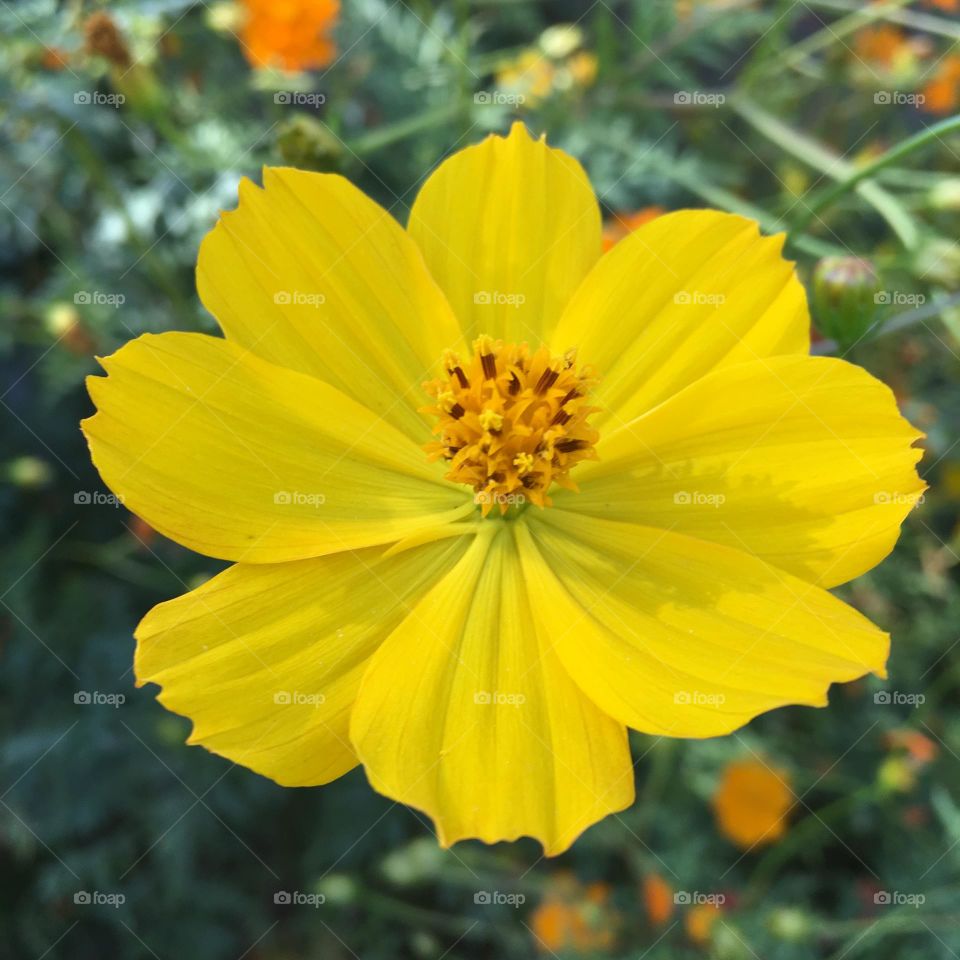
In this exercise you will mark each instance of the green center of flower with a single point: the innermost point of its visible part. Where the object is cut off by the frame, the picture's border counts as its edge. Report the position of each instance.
(511, 422)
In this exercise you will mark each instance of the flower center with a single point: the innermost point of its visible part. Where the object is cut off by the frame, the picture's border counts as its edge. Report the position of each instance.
(511, 422)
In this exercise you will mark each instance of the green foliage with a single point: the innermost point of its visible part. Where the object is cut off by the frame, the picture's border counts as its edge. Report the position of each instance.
(752, 106)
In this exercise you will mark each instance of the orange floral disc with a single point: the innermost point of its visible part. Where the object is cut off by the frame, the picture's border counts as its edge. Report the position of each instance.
(511, 422)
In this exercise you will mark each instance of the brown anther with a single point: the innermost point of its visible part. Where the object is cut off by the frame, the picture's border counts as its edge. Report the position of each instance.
(547, 379)
(509, 437)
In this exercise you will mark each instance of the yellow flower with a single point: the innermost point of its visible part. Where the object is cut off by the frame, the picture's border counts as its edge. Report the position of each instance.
(700, 920)
(291, 35)
(752, 803)
(482, 656)
(556, 65)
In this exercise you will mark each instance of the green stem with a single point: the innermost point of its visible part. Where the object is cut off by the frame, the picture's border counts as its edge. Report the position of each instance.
(905, 18)
(835, 32)
(896, 153)
(814, 154)
(803, 836)
(382, 137)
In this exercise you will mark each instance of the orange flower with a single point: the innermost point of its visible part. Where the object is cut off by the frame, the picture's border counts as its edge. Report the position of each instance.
(103, 38)
(625, 223)
(657, 898)
(290, 34)
(942, 93)
(699, 921)
(948, 5)
(54, 58)
(881, 45)
(752, 802)
(574, 917)
(920, 749)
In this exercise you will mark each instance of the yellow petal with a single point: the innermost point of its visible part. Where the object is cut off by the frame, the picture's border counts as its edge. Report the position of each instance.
(466, 713)
(682, 295)
(266, 659)
(684, 638)
(312, 275)
(805, 462)
(509, 228)
(237, 458)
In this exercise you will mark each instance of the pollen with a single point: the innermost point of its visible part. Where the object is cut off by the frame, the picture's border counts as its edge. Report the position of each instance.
(511, 422)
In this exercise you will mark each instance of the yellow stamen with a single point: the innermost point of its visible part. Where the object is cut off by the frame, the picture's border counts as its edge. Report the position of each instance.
(511, 422)
(490, 420)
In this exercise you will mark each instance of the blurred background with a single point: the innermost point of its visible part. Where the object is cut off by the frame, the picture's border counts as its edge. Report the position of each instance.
(125, 128)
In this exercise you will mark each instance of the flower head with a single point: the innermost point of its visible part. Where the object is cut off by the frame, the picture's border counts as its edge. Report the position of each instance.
(752, 803)
(657, 899)
(291, 35)
(573, 917)
(619, 501)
